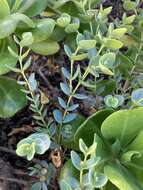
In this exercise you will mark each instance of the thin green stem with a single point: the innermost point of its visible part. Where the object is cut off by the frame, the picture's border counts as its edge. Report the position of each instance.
(39, 111)
(87, 71)
(81, 172)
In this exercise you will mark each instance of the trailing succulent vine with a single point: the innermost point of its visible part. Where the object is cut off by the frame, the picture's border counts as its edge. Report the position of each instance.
(104, 58)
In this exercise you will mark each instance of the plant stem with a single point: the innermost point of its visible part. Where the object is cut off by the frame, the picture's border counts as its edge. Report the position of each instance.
(39, 111)
(73, 91)
(81, 172)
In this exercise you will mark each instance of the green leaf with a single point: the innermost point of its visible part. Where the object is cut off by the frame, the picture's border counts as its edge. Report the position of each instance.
(101, 180)
(125, 65)
(76, 160)
(113, 44)
(17, 17)
(107, 10)
(65, 88)
(69, 117)
(129, 19)
(36, 143)
(27, 39)
(7, 27)
(32, 81)
(7, 60)
(91, 126)
(129, 5)
(4, 9)
(68, 50)
(34, 7)
(12, 99)
(43, 30)
(86, 44)
(90, 163)
(73, 27)
(110, 186)
(137, 143)
(8, 24)
(58, 116)
(105, 70)
(68, 170)
(128, 156)
(108, 60)
(26, 150)
(118, 33)
(79, 57)
(64, 185)
(64, 20)
(111, 101)
(105, 87)
(137, 97)
(120, 177)
(73, 182)
(42, 142)
(71, 7)
(82, 146)
(123, 125)
(58, 34)
(45, 47)
(134, 152)
(97, 180)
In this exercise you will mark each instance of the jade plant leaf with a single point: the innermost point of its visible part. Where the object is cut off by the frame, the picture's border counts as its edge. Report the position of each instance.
(91, 126)
(120, 177)
(30, 8)
(12, 98)
(125, 125)
(113, 43)
(119, 140)
(4, 9)
(6, 59)
(46, 47)
(43, 30)
(110, 186)
(35, 8)
(8, 24)
(71, 7)
(64, 20)
(108, 60)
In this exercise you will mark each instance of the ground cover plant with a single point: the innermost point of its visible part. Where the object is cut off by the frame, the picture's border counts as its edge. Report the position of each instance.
(71, 89)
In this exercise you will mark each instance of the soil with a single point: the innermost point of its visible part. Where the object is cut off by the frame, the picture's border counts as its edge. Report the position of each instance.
(13, 169)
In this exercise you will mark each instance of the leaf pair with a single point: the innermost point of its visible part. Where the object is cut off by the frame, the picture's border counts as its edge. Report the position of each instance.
(37, 143)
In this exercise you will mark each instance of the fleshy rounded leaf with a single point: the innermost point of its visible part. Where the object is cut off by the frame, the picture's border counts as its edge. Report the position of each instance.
(137, 97)
(6, 59)
(45, 47)
(120, 177)
(12, 98)
(108, 60)
(64, 20)
(36, 143)
(4, 9)
(113, 44)
(124, 124)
